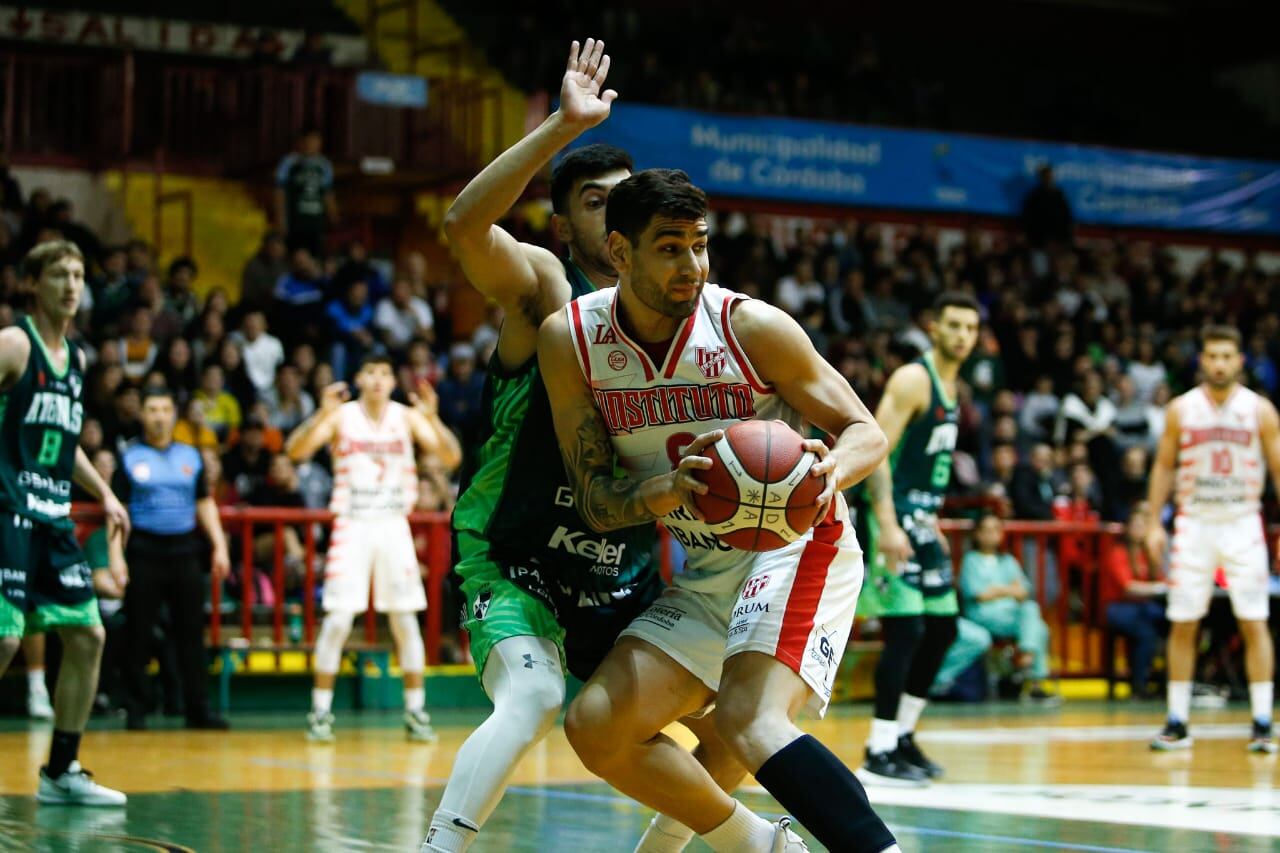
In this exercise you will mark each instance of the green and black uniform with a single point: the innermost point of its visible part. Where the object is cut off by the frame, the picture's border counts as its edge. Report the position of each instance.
(529, 564)
(921, 467)
(44, 578)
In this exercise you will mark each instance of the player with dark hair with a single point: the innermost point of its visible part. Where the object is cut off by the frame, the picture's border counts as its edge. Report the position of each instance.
(759, 634)
(375, 487)
(1217, 437)
(543, 591)
(45, 581)
(910, 586)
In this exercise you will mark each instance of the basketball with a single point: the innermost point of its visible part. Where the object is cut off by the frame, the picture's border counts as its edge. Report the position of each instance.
(760, 495)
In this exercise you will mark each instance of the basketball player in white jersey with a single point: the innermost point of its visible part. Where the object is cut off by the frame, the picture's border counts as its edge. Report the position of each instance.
(649, 374)
(375, 485)
(1217, 437)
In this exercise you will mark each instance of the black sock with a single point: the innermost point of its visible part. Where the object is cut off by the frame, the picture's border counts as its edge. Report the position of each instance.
(825, 797)
(63, 751)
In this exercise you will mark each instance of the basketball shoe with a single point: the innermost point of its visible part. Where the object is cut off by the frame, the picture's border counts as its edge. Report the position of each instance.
(911, 754)
(76, 787)
(888, 768)
(1262, 741)
(417, 727)
(786, 841)
(320, 727)
(1174, 736)
(38, 706)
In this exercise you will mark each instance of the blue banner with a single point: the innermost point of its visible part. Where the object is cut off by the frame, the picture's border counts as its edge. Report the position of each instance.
(392, 90)
(844, 164)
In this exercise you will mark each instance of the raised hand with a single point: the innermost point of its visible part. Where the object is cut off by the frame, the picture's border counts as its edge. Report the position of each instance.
(582, 101)
(334, 396)
(425, 399)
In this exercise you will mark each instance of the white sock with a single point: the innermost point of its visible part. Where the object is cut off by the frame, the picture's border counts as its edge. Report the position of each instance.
(664, 835)
(321, 700)
(909, 710)
(1179, 700)
(884, 736)
(35, 683)
(1260, 697)
(449, 833)
(743, 832)
(415, 698)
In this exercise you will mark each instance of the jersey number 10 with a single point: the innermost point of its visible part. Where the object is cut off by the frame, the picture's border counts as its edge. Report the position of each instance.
(1220, 462)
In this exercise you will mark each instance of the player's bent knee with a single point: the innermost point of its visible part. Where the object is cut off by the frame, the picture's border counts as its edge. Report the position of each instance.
(593, 731)
(534, 707)
(84, 641)
(752, 731)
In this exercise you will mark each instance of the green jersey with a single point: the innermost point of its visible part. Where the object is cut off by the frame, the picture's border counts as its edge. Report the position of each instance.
(40, 418)
(516, 498)
(921, 463)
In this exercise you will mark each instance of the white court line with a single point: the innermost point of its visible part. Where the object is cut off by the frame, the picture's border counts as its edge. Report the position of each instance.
(1078, 734)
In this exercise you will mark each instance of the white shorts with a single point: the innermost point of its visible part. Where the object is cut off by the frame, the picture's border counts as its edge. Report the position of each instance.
(378, 550)
(1200, 548)
(794, 604)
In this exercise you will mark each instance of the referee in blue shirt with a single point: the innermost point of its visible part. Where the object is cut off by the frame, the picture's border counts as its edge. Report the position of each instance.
(162, 482)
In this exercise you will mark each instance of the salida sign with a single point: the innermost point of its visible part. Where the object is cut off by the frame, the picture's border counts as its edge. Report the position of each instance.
(95, 29)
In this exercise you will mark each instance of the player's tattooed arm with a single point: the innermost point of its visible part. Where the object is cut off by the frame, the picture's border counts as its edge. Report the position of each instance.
(605, 502)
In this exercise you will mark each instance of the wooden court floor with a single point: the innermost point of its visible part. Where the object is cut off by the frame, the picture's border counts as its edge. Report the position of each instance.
(1075, 778)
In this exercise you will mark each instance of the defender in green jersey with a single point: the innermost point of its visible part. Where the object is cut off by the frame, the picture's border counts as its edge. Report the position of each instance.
(909, 582)
(542, 591)
(45, 581)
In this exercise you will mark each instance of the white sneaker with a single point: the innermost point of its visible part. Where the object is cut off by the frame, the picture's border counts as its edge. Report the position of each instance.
(76, 788)
(320, 727)
(39, 707)
(786, 841)
(417, 727)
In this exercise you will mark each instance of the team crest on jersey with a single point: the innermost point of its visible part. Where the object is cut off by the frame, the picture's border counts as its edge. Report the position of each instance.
(710, 360)
(75, 385)
(606, 335)
(754, 586)
(617, 359)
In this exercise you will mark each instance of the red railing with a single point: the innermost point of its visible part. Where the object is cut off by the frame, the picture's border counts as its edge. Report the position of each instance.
(100, 108)
(1077, 627)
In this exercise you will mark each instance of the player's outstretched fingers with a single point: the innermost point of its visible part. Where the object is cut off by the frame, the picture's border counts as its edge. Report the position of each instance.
(824, 467)
(702, 442)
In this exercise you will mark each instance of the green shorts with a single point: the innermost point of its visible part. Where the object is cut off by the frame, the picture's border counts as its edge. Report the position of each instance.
(924, 584)
(45, 581)
(495, 609)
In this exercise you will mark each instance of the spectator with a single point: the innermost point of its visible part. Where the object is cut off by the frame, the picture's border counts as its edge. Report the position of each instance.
(208, 340)
(123, 421)
(299, 299)
(138, 348)
(849, 311)
(1261, 367)
(245, 465)
(288, 405)
(141, 260)
(236, 377)
(1086, 415)
(1128, 598)
(180, 297)
(264, 269)
(193, 428)
(62, 217)
(351, 319)
(305, 206)
(1146, 370)
(1132, 420)
(179, 369)
(461, 391)
(263, 353)
(996, 596)
(401, 318)
(1130, 486)
(420, 366)
(1046, 214)
(797, 292)
(356, 266)
(162, 482)
(312, 52)
(280, 489)
(272, 438)
(1034, 486)
(165, 324)
(113, 292)
(222, 411)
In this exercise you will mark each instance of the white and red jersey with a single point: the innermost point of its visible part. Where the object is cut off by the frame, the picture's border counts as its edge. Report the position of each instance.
(1220, 461)
(374, 475)
(652, 411)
